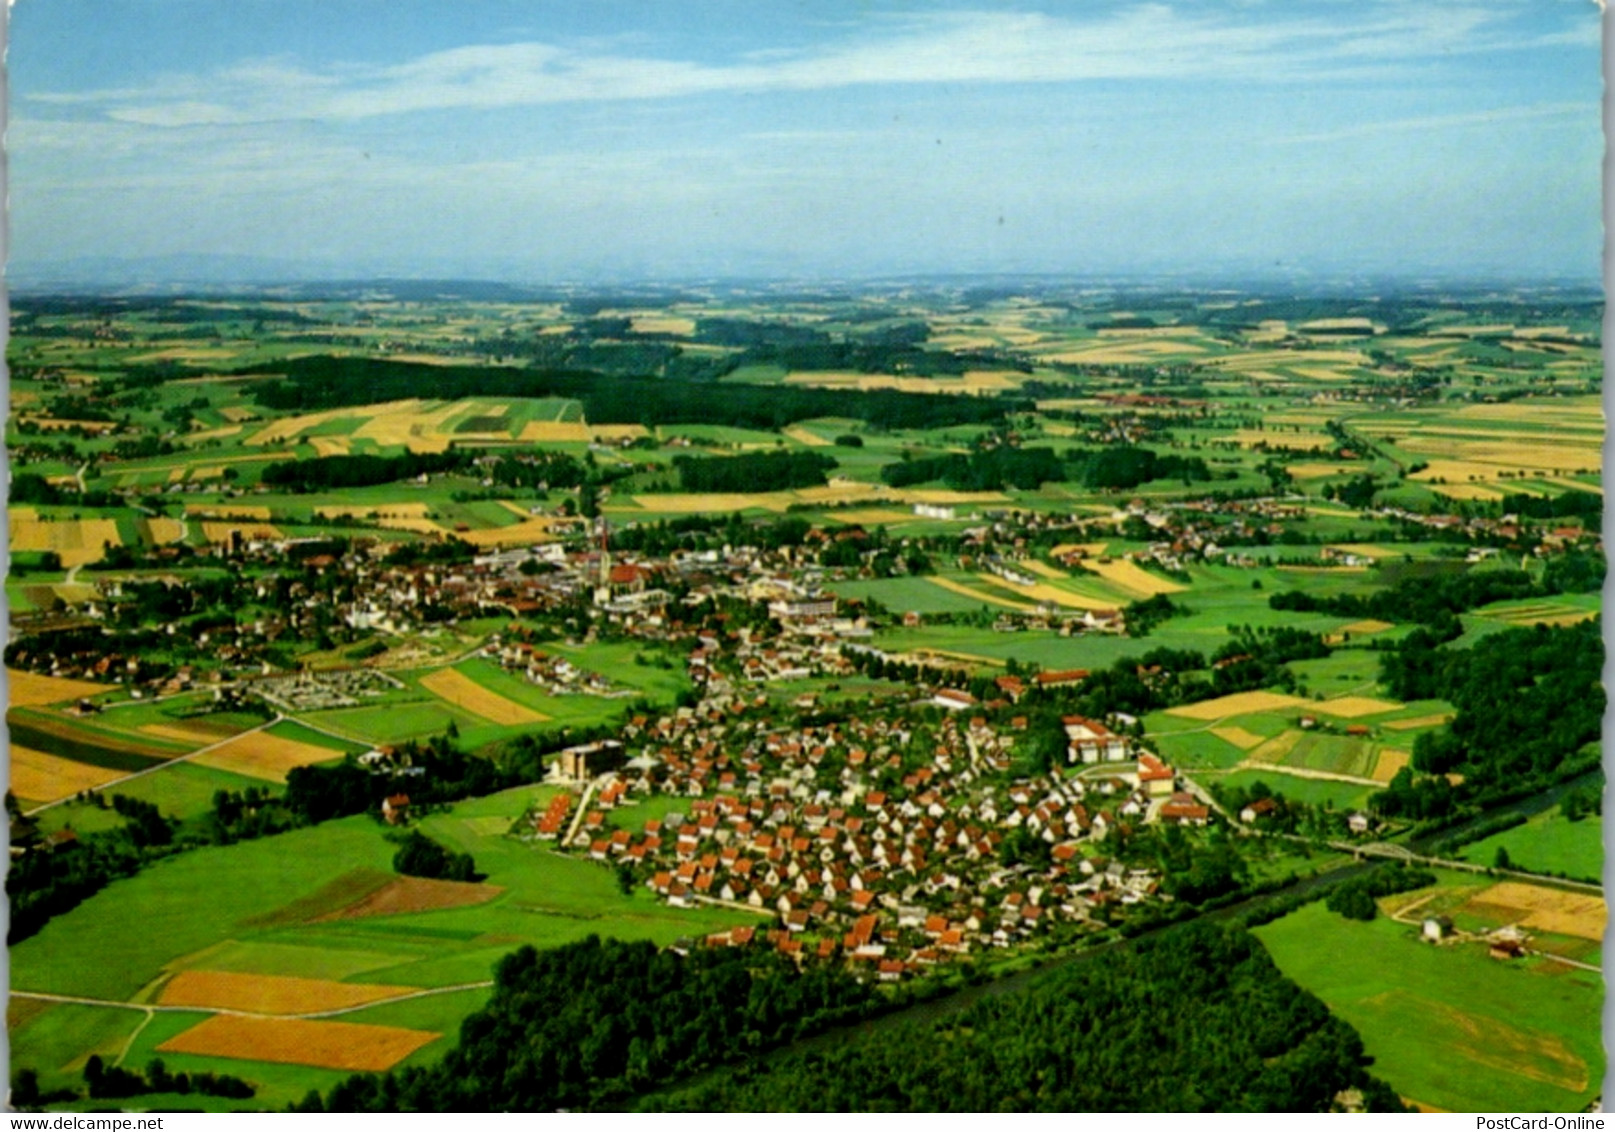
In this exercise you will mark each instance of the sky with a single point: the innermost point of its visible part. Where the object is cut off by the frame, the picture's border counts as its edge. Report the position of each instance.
(541, 141)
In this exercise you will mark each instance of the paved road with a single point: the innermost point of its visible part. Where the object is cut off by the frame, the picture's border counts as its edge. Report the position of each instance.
(155, 767)
(162, 1008)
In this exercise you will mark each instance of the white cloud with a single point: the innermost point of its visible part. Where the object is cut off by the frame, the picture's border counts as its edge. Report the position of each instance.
(1150, 41)
(1586, 111)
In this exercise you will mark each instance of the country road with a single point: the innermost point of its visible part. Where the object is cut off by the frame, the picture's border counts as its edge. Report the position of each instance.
(163, 1008)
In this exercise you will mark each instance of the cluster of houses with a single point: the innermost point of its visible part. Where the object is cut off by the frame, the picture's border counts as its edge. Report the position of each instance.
(885, 839)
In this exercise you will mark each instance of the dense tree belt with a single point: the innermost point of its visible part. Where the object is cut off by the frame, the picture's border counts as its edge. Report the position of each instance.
(753, 471)
(593, 1023)
(1527, 700)
(1584, 505)
(994, 469)
(1428, 601)
(1196, 1019)
(325, 473)
(325, 382)
(420, 856)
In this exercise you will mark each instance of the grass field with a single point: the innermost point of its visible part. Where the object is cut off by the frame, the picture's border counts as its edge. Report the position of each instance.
(1547, 843)
(275, 908)
(1444, 1025)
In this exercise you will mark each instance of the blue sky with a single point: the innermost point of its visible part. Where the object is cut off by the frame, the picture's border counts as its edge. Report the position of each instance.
(549, 141)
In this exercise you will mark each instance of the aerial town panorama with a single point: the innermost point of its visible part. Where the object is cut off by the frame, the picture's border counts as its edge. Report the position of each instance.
(787, 687)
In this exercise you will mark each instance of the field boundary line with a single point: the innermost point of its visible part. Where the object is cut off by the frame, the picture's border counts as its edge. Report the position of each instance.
(151, 1008)
(130, 1044)
(162, 765)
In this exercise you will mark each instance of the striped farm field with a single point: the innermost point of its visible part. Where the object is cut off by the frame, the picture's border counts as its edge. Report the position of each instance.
(1350, 707)
(1239, 737)
(803, 436)
(77, 541)
(1278, 748)
(270, 994)
(1240, 703)
(29, 689)
(528, 532)
(194, 734)
(261, 754)
(966, 591)
(1052, 594)
(293, 1041)
(1132, 577)
(1435, 720)
(39, 777)
(460, 690)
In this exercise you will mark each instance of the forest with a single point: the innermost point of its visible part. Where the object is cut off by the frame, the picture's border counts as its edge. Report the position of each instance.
(994, 469)
(1195, 1019)
(593, 1023)
(327, 473)
(325, 382)
(753, 471)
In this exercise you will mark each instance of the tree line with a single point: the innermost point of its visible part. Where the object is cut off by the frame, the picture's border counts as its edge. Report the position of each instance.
(1198, 1018)
(591, 1024)
(326, 382)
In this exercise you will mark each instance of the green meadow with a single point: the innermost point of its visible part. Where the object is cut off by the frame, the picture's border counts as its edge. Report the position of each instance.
(1444, 1024)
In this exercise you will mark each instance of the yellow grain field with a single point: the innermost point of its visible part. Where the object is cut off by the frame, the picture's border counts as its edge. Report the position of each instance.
(1367, 627)
(161, 531)
(270, 994)
(1390, 761)
(555, 432)
(663, 324)
(1272, 751)
(925, 495)
(1435, 720)
(870, 516)
(330, 445)
(30, 689)
(292, 1041)
(1364, 550)
(259, 754)
(1546, 909)
(1465, 491)
(460, 690)
(1239, 737)
(529, 532)
(77, 541)
(1309, 471)
(1132, 577)
(248, 511)
(1351, 707)
(1240, 703)
(811, 439)
(1086, 548)
(976, 595)
(1050, 594)
(41, 777)
(215, 531)
(715, 501)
